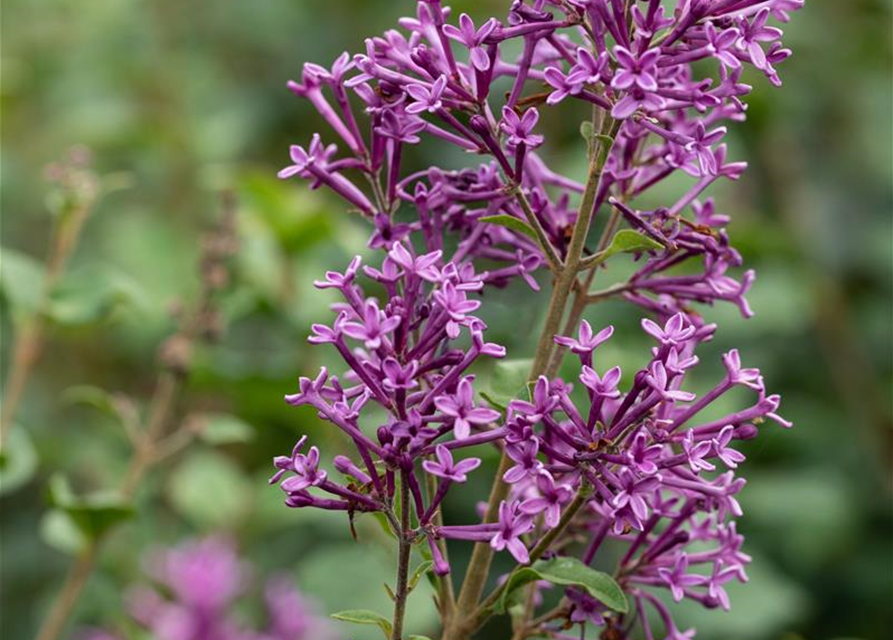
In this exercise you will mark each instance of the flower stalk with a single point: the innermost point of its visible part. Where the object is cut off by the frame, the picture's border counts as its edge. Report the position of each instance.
(153, 441)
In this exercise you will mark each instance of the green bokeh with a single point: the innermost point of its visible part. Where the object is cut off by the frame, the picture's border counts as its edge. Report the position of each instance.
(183, 99)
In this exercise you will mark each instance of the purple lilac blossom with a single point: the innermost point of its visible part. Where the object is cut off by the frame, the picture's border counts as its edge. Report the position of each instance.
(198, 583)
(667, 77)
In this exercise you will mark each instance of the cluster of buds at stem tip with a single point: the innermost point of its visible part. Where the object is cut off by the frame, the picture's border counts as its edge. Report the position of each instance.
(663, 80)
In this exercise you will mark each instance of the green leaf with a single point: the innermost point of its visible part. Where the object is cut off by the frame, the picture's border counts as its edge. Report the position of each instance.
(384, 523)
(627, 240)
(568, 572)
(363, 616)
(93, 295)
(415, 637)
(21, 282)
(18, 460)
(299, 218)
(93, 514)
(508, 381)
(90, 396)
(210, 473)
(624, 241)
(223, 428)
(59, 531)
(421, 570)
(513, 223)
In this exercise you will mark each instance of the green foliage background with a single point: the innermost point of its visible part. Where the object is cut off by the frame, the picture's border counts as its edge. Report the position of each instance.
(182, 99)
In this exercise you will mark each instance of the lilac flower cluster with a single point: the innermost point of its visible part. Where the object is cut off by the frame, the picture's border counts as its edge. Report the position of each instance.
(642, 458)
(413, 83)
(633, 462)
(204, 579)
(402, 357)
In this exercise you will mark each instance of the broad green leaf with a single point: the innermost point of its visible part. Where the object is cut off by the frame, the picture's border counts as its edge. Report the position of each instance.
(363, 616)
(223, 428)
(59, 530)
(421, 570)
(513, 223)
(417, 637)
(21, 282)
(94, 513)
(507, 382)
(568, 572)
(18, 459)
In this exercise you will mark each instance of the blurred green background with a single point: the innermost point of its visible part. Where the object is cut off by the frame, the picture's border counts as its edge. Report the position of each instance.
(179, 100)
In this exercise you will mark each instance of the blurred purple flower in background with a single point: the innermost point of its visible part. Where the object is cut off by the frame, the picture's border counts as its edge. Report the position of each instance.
(199, 583)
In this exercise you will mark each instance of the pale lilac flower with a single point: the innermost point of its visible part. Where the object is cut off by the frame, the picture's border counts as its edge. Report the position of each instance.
(445, 468)
(460, 407)
(512, 525)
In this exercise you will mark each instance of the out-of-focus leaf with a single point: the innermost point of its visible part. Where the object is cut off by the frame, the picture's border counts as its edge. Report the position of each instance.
(364, 616)
(59, 531)
(567, 571)
(260, 261)
(224, 428)
(94, 295)
(94, 513)
(18, 460)
(789, 507)
(298, 217)
(90, 396)
(507, 382)
(210, 490)
(21, 281)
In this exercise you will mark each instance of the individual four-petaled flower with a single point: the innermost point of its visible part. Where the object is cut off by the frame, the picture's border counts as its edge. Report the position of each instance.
(445, 467)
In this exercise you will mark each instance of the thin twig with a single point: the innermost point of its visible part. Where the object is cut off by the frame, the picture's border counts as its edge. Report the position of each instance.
(404, 552)
(551, 254)
(176, 359)
(29, 345)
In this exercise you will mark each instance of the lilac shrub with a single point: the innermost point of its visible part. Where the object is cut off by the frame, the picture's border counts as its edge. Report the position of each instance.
(632, 458)
(199, 582)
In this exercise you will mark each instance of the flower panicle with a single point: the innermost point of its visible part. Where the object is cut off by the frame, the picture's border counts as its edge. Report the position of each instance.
(636, 457)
